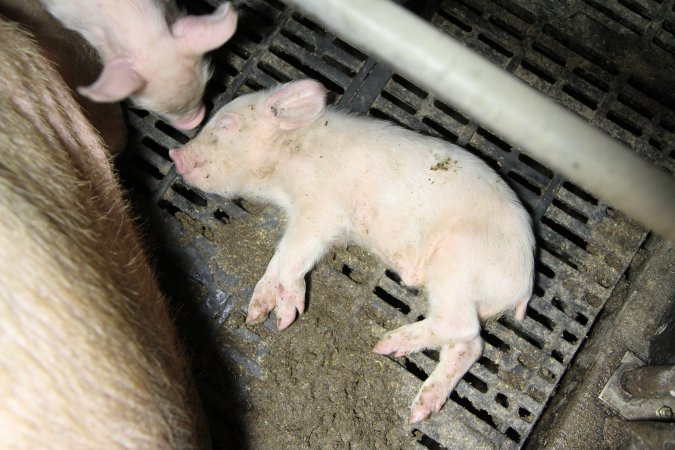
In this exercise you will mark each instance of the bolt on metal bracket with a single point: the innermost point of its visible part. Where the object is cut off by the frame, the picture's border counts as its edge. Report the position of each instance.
(637, 407)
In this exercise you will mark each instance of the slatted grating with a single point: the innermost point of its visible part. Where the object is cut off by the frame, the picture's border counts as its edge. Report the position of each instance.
(607, 61)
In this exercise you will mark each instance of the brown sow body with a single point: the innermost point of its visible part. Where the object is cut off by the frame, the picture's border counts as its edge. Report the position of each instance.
(89, 357)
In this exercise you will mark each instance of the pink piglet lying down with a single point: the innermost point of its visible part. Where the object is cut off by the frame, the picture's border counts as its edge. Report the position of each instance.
(433, 212)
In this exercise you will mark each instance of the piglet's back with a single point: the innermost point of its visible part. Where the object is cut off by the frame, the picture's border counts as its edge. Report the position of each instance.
(404, 170)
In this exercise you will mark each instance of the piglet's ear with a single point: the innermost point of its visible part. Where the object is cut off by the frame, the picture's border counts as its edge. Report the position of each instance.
(118, 81)
(201, 34)
(297, 104)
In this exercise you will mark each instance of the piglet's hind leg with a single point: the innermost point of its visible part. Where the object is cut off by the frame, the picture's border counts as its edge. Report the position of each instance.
(451, 316)
(453, 322)
(455, 361)
(408, 339)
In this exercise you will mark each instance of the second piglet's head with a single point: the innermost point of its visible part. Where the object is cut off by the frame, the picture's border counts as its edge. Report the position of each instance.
(239, 149)
(169, 76)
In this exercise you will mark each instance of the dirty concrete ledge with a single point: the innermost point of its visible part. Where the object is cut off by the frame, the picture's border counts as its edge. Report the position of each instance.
(576, 418)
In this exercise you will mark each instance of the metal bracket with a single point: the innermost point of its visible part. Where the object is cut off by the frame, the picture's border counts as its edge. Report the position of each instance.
(632, 407)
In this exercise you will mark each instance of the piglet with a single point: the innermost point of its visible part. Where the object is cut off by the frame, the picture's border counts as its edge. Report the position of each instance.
(434, 213)
(150, 52)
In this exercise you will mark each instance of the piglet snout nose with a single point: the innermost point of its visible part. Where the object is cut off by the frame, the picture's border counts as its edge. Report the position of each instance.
(175, 156)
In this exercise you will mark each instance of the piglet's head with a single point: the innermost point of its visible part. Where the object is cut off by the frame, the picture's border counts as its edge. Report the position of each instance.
(169, 79)
(241, 148)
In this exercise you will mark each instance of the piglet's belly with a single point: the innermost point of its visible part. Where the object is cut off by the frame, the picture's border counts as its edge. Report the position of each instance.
(407, 255)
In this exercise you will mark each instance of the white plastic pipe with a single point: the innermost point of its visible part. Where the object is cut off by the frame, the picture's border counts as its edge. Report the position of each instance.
(548, 132)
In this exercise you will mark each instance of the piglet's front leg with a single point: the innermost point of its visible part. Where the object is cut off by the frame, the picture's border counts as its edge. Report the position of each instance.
(265, 294)
(282, 287)
(271, 294)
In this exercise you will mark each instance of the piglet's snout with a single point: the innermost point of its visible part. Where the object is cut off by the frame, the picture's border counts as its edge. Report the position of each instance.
(177, 157)
(186, 159)
(189, 121)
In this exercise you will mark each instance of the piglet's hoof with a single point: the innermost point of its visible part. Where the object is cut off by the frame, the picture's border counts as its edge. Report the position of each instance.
(406, 339)
(290, 303)
(255, 317)
(429, 400)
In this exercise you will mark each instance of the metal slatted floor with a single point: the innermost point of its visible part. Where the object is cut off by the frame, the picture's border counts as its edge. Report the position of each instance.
(606, 63)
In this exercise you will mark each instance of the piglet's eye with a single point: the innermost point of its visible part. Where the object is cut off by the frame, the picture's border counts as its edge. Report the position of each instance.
(226, 121)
